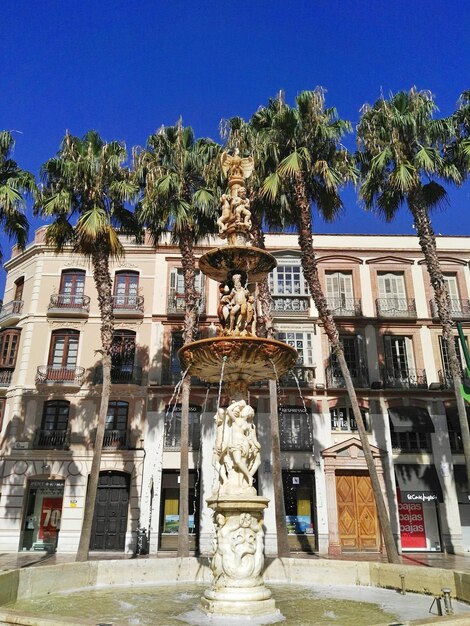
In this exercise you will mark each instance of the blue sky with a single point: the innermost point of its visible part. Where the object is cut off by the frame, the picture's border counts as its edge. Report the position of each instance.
(124, 68)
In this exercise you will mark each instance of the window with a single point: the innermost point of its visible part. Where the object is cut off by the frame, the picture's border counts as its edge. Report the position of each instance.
(72, 286)
(126, 288)
(123, 349)
(55, 415)
(295, 428)
(63, 353)
(392, 287)
(339, 293)
(452, 288)
(342, 419)
(116, 417)
(3, 403)
(354, 354)
(9, 347)
(299, 498)
(398, 356)
(288, 280)
(19, 285)
(176, 300)
(173, 426)
(303, 343)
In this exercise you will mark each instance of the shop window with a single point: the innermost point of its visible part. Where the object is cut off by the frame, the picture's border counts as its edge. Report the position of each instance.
(169, 526)
(342, 419)
(295, 428)
(9, 340)
(299, 495)
(41, 525)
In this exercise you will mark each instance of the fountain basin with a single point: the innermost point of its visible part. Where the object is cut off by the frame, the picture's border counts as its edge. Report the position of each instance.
(48, 580)
(248, 359)
(256, 263)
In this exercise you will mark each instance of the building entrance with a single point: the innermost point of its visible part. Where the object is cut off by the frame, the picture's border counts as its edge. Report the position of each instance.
(357, 516)
(111, 511)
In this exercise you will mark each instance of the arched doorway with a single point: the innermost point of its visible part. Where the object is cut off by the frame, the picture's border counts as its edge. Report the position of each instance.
(111, 510)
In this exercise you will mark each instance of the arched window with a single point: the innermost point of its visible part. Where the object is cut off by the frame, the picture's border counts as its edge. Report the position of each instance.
(126, 289)
(9, 340)
(72, 284)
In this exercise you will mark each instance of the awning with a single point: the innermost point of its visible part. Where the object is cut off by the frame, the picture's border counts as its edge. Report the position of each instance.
(453, 418)
(462, 486)
(410, 418)
(418, 483)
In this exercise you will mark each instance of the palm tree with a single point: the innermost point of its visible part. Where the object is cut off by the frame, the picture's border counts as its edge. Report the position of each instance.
(312, 166)
(87, 182)
(255, 141)
(173, 171)
(15, 183)
(402, 157)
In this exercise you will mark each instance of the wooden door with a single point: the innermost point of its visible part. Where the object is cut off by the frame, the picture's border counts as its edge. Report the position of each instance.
(110, 519)
(357, 516)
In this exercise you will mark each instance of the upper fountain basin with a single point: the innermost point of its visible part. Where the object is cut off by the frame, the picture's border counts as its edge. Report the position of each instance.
(256, 263)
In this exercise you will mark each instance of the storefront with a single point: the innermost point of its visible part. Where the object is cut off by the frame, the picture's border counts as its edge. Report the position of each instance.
(419, 494)
(169, 521)
(463, 497)
(41, 524)
(299, 499)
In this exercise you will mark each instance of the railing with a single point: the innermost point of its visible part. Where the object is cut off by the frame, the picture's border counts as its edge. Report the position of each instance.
(120, 375)
(69, 301)
(359, 375)
(407, 379)
(11, 308)
(459, 309)
(173, 436)
(345, 307)
(290, 304)
(116, 439)
(300, 441)
(5, 376)
(128, 303)
(305, 376)
(445, 379)
(411, 441)
(396, 307)
(52, 439)
(60, 375)
(177, 304)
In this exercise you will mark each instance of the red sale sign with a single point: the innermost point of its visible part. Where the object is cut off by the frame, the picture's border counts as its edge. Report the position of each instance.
(412, 530)
(50, 518)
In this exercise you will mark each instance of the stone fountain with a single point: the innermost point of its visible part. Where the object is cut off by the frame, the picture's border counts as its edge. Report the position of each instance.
(239, 358)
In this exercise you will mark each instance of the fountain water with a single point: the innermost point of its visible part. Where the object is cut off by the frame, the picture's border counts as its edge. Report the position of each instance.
(242, 358)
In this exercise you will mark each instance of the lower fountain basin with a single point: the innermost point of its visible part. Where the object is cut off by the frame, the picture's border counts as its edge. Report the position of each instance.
(311, 593)
(248, 359)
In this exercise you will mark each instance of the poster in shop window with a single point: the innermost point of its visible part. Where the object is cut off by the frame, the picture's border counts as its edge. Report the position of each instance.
(412, 530)
(50, 519)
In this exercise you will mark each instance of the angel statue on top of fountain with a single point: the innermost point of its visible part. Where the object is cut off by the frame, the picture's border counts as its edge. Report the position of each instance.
(235, 206)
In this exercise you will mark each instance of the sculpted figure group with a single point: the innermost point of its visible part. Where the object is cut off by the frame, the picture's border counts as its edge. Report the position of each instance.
(235, 211)
(236, 309)
(237, 449)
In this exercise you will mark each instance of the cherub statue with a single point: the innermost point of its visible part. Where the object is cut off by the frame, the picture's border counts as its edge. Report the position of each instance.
(224, 220)
(240, 207)
(239, 168)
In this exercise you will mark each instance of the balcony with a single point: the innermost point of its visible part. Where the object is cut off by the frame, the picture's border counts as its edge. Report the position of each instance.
(396, 307)
(176, 304)
(128, 306)
(345, 307)
(6, 374)
(404, 379)
(10, 313)
(292, 305)
(459, 309)
(120, 375)
(445, 380)
(66, 376)
(115, 440)
(359, 375)
(68, 305)
(299, 375)
(52, 439)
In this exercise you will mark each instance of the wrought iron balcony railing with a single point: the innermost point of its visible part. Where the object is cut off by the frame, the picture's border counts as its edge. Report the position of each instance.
(359, 375)
(345, 307)
(396, 307)
(177, 303)
(294, 305)
(69, 302)
(459, 309)
(52, 439)
(10, 309)
(394, 378)
(445, 379)
(123, 304)
(50, 374)
(6, 374)
(120, 375)
(304, 376)
(115, 439)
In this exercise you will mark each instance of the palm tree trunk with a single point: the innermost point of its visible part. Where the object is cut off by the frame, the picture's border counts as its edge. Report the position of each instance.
(427, 241)
(309, 265)
(103, 284)
(265, 328)
(188, 263)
